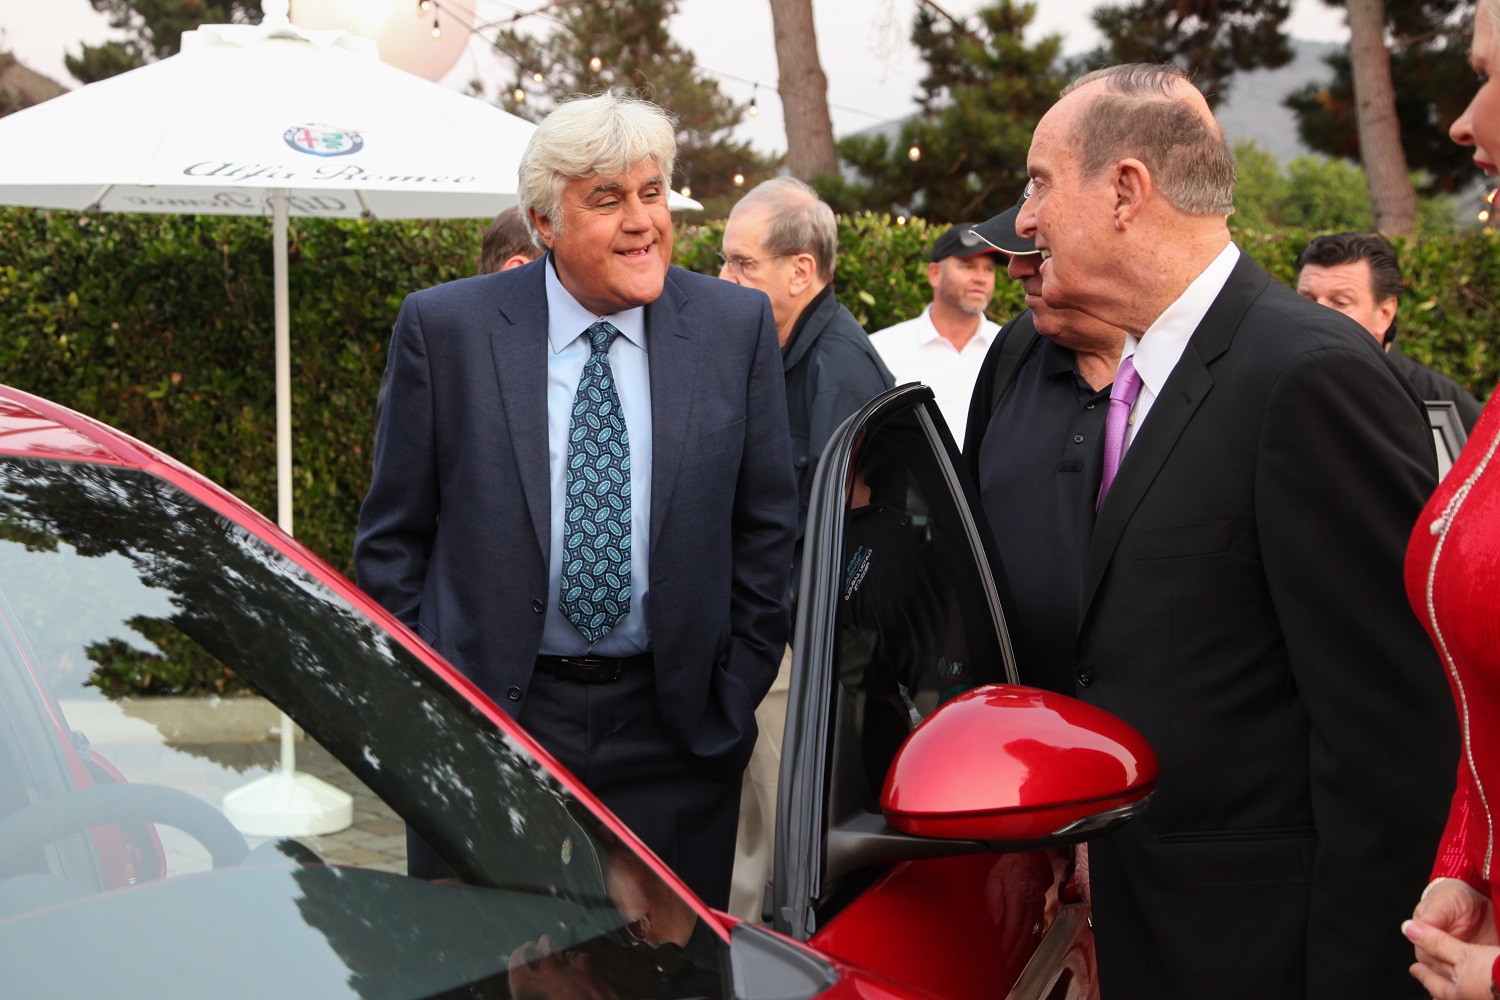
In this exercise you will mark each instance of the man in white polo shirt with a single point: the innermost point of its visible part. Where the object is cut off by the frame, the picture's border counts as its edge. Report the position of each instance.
(945, 346)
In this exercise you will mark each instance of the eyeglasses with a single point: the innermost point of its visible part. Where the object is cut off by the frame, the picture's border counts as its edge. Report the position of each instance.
(746, 265)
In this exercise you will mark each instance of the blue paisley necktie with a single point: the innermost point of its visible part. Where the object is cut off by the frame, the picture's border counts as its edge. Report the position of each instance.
(596, 505)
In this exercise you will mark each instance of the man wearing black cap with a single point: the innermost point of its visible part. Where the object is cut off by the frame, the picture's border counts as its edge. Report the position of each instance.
(1034, 448)
(944, 347)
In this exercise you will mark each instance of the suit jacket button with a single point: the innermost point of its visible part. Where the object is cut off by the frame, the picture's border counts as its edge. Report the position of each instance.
(538, 607)
(514, 694)
(1085, 677)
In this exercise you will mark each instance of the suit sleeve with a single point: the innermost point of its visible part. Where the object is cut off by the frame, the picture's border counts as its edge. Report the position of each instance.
(1345, 465)
(398, 519)
(765, 520)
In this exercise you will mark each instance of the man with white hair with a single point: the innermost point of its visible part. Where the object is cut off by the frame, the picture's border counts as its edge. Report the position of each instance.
(583, 494)
(1243, 603)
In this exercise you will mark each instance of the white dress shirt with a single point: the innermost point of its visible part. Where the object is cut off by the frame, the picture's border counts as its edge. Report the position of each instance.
(1158, 350)
(568, 349)
(914, 351)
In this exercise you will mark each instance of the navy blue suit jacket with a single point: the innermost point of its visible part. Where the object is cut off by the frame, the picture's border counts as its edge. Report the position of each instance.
(453, 534)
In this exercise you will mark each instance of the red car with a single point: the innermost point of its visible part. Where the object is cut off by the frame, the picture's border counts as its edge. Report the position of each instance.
(919, 788)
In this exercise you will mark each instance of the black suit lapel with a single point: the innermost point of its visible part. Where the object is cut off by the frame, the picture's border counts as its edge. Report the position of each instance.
(672, 354)
(519, 346)
(1186, 388)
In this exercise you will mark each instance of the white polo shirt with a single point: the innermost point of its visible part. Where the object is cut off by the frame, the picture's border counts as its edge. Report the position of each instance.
(915, 352)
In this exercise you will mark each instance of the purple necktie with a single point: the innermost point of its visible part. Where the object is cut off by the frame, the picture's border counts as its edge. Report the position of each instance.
(1121, 398)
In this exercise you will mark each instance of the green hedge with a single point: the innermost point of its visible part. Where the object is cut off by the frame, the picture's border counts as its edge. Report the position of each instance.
(162, 325)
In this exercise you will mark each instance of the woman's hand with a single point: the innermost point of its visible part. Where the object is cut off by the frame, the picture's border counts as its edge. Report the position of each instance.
(1458, 909)
(1449, 968)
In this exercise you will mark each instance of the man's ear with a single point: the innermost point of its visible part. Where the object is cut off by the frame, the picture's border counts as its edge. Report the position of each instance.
(1133, 188)
(804, 272)
(1385, 315)
(543, 226)
(934, 270)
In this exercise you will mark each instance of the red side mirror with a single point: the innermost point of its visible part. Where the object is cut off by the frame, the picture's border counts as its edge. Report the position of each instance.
(1011, 763)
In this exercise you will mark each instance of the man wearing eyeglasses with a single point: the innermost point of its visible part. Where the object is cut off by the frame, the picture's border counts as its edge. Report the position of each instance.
(781, 239)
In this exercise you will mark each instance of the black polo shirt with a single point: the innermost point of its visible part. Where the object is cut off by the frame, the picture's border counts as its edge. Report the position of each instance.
(1039, 469)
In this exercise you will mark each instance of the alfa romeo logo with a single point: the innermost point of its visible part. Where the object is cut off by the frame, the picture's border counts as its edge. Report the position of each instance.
(323, 140)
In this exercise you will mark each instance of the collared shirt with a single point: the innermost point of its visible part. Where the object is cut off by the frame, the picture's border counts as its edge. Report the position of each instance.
(1158, 350)
(1039, 469)
(567, 351)
(914, 351)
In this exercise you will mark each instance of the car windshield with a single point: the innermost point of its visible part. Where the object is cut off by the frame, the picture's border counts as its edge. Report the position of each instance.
(148, 645)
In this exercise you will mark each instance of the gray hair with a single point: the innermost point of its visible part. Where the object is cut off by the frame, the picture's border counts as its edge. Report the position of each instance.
(1142, 115)
(800, 222)
(605, 134)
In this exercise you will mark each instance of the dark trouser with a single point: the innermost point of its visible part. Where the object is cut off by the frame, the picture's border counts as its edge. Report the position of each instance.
(611, 737)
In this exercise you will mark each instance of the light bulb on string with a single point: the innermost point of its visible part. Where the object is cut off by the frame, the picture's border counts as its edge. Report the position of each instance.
(519, 94)
(914, 153)
(739, 179)
(754, 109)
(536, 77)
(437, 29)
(423, 6)
(596, 64)
(686, 189)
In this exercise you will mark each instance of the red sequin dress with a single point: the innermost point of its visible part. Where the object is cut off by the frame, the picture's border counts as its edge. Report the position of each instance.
(1453, 581)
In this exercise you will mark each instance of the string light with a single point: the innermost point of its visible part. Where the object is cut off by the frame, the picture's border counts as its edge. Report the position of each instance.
(596, 64)
(739, 179)
(423, 6)
(754, 109)
(437, 29)
(519, 94)
(914, 153)
(686, 189)
(536, 77)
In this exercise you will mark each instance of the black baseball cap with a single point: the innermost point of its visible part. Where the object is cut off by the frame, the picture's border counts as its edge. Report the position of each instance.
(1000, 232)
(958, 240)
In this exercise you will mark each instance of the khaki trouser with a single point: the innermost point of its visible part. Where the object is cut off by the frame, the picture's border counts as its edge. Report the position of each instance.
(755, 845)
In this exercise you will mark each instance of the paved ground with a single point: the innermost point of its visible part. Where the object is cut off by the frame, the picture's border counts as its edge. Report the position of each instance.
(377, 839)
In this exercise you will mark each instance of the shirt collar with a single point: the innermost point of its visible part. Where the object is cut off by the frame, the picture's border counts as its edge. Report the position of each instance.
(567, 319)
(1157, 351)
(927, 331)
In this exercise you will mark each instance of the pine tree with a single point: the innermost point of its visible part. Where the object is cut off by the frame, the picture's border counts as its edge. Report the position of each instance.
(155, 30)
(591, 46)
(1432, 81)
(1211, 39)
(984, 91)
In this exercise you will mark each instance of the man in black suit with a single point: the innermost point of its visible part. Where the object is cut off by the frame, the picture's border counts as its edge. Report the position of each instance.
(1242, 600)
(583, 491)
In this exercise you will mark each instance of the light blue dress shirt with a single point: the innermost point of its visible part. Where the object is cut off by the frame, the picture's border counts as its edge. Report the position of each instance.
(567, 351)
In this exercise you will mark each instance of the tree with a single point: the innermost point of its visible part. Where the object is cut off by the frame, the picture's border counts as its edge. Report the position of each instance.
(1391, 192)
(155, 28)
(1432, 83)
(983, 94)
(803, 88)
(1314, 194)
(1211, 39)
(623, 45)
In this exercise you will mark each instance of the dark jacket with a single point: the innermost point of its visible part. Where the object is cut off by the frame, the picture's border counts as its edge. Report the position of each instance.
(1434, 385)
(831, 371)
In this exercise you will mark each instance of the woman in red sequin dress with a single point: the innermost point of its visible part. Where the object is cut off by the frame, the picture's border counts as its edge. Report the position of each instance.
(1453, 579)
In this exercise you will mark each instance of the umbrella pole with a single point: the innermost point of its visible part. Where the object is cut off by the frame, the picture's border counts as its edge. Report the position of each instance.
(286, 803)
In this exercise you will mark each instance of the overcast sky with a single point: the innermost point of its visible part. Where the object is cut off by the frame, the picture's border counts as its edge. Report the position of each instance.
(872, 70)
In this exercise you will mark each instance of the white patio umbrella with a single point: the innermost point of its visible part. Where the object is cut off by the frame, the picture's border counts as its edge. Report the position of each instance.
(270, 120)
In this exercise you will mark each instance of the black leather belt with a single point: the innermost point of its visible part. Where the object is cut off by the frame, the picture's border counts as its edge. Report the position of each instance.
(592, 669)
